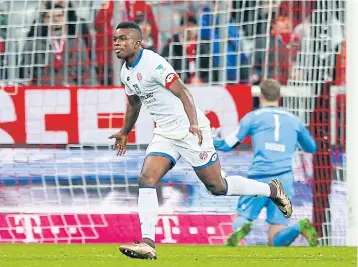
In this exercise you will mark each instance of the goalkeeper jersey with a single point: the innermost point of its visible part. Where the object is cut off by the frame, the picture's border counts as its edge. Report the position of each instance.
(275, 135)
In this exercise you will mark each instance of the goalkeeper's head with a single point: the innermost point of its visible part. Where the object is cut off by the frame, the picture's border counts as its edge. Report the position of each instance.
(270, 92)
(127, 39)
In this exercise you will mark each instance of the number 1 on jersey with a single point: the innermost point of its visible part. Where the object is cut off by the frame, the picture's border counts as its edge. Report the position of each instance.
(277, 127)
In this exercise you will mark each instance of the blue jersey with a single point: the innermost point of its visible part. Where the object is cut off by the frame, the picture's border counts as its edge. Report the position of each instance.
(275, 134)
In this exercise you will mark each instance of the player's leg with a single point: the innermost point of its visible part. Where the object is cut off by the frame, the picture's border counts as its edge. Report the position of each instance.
(206, 164)
(248, 209)
(280, 234)
(159, 160)
(236, 185)
(277, 235)
(210, 175)
(154, 168)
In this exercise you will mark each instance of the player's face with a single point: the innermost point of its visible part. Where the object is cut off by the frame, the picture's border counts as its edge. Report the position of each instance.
(125, 42)
(55, 18)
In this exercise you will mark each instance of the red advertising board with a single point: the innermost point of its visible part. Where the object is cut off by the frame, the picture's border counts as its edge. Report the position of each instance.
(61, 115)
(112, 228)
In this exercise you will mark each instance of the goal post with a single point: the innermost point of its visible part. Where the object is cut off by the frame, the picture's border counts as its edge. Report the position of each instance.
(352, 122)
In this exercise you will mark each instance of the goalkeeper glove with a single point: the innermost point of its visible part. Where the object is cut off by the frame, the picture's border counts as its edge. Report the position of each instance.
(221, 145)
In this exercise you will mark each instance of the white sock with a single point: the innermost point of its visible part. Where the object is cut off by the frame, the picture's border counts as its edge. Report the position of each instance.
(241, 186)
(148, 211)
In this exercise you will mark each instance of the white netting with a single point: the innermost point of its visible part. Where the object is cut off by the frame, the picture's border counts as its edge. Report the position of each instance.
(62, 95)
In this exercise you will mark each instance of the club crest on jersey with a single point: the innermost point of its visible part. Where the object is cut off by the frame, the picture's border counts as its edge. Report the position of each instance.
(136, 89)
(139, 76)
(203, 155)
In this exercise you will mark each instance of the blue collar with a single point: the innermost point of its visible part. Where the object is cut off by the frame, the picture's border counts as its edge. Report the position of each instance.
(136, 61)
(271, 107)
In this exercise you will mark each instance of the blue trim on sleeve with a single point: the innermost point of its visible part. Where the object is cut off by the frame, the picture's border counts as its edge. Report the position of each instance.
(161, 154)
(211, 161)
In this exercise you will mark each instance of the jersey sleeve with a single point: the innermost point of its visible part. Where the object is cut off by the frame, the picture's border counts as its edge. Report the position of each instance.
(305, 139)
(163, 72)
(128, 90)
(241, 132)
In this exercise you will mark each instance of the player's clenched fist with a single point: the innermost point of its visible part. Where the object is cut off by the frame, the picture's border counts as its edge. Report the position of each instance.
(195, 130)
(120, 143)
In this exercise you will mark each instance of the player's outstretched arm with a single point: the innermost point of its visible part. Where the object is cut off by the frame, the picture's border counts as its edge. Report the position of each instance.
(235, 138)
(305, 140)
(221, 145)
(130, 118)
(179, 90)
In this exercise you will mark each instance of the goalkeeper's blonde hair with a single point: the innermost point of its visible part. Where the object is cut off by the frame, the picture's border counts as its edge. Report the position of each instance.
(270, 89)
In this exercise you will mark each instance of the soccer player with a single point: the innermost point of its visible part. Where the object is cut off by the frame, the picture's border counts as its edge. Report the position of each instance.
(275, 134)
(182, 130)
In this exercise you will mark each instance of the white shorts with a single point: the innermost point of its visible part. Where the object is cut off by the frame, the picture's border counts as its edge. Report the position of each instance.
(198, 157)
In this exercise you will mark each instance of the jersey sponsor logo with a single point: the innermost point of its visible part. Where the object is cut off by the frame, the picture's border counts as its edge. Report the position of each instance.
(136, 89)
(139, 76)
(144, 97)
(148, 98)
(171, 77)
(203, 155)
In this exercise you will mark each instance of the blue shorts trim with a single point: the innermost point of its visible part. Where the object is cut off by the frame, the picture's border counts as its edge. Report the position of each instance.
(161, 154)
(212, 160)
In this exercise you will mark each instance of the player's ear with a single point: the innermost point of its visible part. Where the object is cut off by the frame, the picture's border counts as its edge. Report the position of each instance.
(137, 44)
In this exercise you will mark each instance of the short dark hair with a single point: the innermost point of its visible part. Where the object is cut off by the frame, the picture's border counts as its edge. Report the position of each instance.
(185, 19)
(130, 25)
(49, 5)
(270, 89)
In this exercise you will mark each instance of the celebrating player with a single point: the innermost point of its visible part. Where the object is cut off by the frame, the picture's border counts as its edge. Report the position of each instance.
(275, 133)
(181, 130)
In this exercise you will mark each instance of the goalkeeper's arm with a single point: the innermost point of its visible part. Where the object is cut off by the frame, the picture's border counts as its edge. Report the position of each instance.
(226, 144)
(305, 140)
(236, 137)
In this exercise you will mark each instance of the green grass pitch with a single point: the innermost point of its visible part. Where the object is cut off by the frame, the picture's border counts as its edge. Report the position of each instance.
(175, 256)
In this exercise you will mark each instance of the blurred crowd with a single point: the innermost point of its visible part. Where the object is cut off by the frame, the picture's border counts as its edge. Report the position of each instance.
(59, 44)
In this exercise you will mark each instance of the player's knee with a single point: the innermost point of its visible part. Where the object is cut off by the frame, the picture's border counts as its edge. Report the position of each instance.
(146, 180)
(216, 189)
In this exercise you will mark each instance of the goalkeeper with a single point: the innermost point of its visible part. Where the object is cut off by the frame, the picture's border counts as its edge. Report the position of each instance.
(275, 134)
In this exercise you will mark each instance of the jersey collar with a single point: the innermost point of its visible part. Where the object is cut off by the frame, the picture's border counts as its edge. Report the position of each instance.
(271, 107)
(136, 61)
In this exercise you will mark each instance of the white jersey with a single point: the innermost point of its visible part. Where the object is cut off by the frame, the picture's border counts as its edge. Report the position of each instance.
(149, 77)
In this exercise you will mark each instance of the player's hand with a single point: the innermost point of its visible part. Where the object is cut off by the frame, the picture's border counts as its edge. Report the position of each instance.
(221, 145)
(120, 143)
(195, 130)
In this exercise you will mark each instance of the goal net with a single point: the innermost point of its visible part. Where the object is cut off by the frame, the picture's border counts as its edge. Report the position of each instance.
(61, 98)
